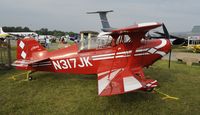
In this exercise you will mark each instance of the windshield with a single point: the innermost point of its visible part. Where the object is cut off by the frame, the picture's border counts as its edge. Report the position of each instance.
(101, 42)
(94, 43)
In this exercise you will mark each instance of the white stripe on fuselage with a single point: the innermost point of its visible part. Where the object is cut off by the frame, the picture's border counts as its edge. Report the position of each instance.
(103, 55)
(141, 50)
(112, 55)
(103, 58)
(125, 52)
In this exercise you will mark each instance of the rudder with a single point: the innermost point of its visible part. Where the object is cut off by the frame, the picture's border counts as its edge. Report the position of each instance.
(26, 47)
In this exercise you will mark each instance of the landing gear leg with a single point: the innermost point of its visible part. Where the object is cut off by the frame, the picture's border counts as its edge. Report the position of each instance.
(28, 75)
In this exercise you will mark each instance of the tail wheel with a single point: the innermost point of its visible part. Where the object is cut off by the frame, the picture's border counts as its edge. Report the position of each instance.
(30, 78)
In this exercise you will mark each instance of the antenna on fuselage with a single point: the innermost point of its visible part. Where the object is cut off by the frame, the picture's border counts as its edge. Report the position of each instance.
(104, 20)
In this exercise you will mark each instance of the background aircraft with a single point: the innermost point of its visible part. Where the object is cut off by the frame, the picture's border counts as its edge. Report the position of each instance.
(16, 34)
(3, 34)
(104, 20)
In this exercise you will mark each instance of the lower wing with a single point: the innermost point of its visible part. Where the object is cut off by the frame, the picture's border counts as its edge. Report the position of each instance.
(123, 80)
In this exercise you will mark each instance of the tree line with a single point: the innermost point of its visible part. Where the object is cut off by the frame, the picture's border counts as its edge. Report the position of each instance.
(42, 31)
(16, 29)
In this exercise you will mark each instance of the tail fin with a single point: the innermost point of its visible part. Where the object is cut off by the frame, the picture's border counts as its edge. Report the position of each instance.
(26, 47)
(104, 20)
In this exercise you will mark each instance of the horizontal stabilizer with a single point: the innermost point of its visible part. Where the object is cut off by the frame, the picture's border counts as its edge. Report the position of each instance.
(100, 12)
(25, 64)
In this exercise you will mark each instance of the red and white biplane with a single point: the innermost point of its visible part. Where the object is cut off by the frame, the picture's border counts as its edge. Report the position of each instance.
(118, 65)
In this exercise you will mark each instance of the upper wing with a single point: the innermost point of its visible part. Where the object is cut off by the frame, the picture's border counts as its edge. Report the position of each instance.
(141, 27)
(135, 32)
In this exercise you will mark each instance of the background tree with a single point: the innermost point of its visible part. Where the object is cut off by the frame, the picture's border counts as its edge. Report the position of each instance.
(16, 29)
(42, 31)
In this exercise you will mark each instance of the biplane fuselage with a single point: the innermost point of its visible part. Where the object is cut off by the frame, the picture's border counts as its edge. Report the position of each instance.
(93, 61)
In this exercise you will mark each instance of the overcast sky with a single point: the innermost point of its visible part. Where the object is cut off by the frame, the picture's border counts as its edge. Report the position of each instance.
(70, 15)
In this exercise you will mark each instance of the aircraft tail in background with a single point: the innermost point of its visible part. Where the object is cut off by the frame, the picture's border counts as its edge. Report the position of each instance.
(104, 20)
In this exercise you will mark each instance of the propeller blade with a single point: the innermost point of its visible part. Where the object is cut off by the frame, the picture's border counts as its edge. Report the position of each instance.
(165, 31)
(178, 41)
(171, 36)
(169, 64)
(167, 37)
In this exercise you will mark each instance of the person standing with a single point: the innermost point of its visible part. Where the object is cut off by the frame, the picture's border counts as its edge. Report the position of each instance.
(47, 41)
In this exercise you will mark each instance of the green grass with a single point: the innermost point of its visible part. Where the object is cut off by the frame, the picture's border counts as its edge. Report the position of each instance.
(52, 93)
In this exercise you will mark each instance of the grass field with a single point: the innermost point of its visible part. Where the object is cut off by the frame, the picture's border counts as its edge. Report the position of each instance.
(52, 93)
